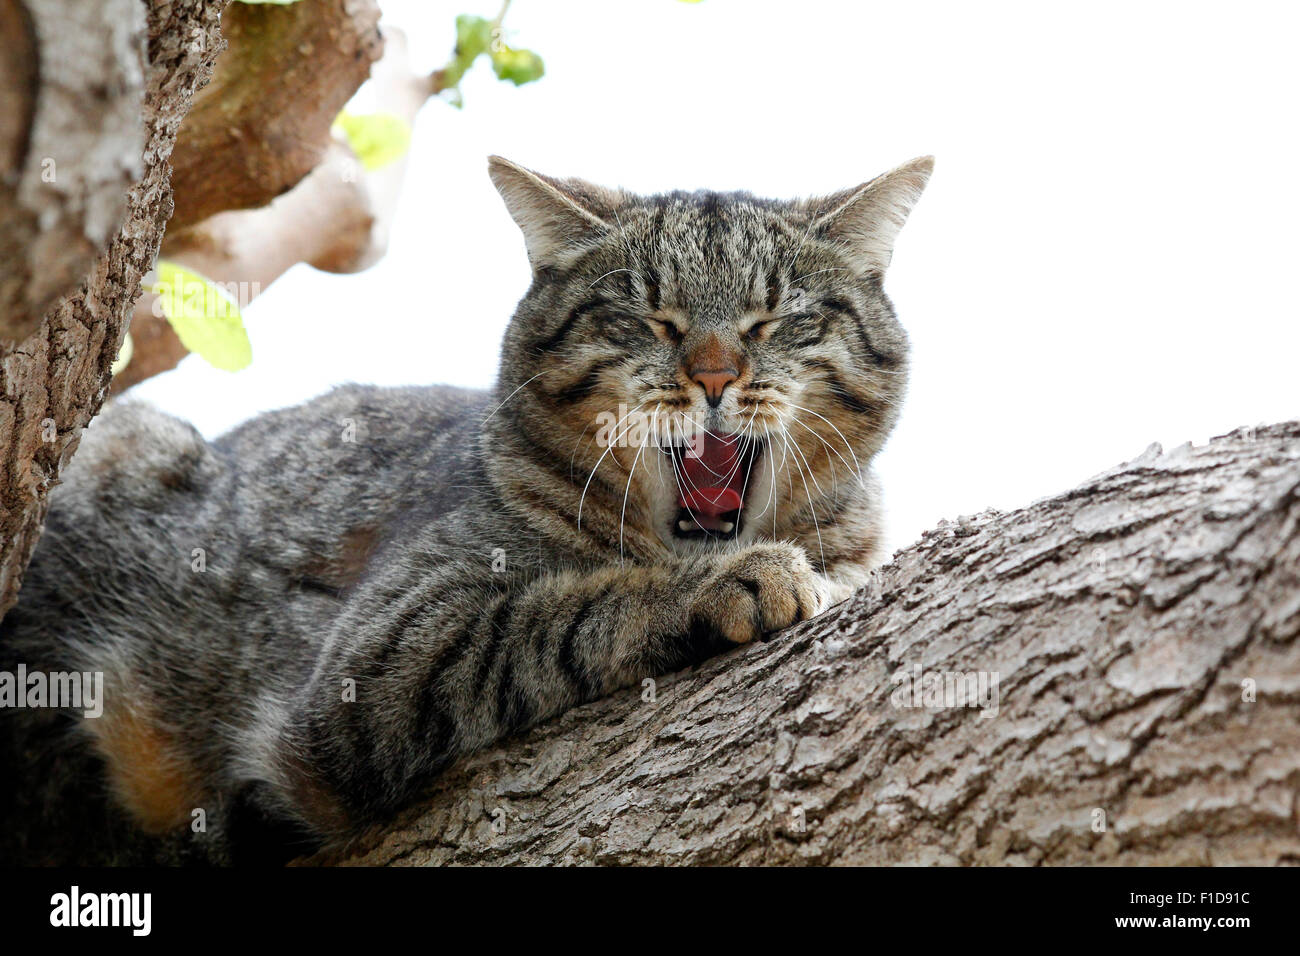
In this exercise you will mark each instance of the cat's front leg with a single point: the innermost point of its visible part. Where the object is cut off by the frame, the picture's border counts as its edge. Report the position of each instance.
(406, 687)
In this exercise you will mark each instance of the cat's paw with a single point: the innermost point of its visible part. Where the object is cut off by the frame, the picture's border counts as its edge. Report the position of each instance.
(758, 590)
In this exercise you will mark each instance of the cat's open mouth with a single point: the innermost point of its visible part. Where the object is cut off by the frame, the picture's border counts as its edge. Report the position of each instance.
(714, 473)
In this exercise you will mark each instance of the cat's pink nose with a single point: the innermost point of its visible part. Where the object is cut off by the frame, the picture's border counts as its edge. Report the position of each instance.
(713, 382)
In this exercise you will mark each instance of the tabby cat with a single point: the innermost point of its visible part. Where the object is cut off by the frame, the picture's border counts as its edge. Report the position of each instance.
(300, 624)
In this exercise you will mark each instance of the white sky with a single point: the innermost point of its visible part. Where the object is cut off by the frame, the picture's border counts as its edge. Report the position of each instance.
(1106, 255)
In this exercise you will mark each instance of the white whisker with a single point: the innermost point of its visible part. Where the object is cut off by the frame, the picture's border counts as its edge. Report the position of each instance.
(510, 396)
(857, 467)
(610, 273)
(612, 443)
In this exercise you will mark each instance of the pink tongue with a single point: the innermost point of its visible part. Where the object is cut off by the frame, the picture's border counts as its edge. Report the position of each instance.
(712, 477)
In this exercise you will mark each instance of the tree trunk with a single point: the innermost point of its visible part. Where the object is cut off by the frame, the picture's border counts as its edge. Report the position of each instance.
(53, 379)
(72, 78)
(1142, 633)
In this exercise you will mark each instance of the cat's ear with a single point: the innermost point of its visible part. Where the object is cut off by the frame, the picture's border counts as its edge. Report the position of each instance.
(867, 219)
(558, 217)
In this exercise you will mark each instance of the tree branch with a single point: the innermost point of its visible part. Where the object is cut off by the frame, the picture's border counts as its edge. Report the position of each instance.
(337, 220)
(70, 145)
(1143, 629)
(263, 123)
(53, 383)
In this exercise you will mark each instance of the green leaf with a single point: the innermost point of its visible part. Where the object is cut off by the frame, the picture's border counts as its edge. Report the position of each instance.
(377, 139)
(517, 66)
(473, 36)
(205, 316)
(476, 36)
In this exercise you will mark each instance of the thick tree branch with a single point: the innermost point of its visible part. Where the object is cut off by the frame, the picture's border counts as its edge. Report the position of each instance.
(337, 219)
(72, 78)
(52, 383)
(1143, 629)
(263, 123)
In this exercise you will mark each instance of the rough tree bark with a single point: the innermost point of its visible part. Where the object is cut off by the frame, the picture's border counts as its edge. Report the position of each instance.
(71, 82)
(1143, 629)
(52, 381)
(94, 100)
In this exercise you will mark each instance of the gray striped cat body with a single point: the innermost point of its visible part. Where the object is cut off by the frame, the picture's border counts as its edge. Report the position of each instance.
(301, 623)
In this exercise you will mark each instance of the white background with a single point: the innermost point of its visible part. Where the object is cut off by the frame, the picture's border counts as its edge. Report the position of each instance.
(1106, 255)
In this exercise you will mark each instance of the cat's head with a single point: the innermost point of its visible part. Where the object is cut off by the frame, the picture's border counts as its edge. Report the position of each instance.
(705, 367)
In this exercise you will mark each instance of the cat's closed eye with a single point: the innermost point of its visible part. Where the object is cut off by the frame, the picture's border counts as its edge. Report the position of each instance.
(666, 330)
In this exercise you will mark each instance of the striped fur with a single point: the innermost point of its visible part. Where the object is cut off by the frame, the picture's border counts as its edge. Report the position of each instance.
(395, 577)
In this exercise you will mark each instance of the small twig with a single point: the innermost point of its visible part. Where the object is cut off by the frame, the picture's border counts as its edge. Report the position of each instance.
(496, 24)
(438, 78)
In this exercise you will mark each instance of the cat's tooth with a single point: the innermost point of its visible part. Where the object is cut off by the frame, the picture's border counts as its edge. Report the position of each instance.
(728, 527)
(686, 525)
